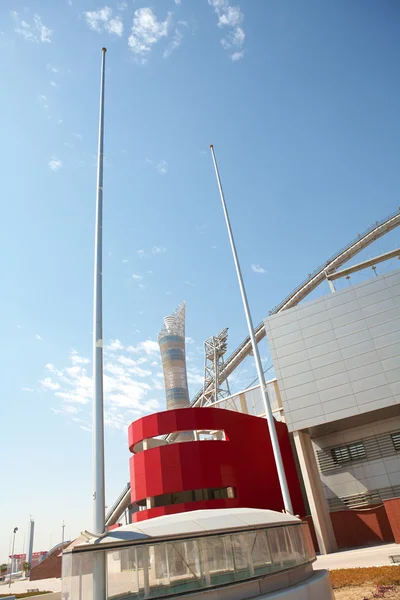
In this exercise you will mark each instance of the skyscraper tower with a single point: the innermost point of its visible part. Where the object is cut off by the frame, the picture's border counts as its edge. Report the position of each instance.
(173, 356)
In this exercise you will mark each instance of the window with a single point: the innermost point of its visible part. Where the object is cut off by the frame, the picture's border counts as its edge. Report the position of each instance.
(396, 440)
(349, 453)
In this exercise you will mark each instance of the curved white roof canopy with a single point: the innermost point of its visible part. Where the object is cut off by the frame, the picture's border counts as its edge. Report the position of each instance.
(193, 523)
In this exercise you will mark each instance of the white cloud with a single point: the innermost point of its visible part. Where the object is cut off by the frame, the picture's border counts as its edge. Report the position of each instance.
(39, 337)
(161, 167)
(116, 26)
(115, 345)
(174, 43)
(195, 376)
(27, 389)
(237, 55)
(231, 18)
(146, 31)
(141, 253)
(189, 340)
(134, 276)
(102, 20)
(55, 164)
(158, 249)
(32, 32)
(178, 1)
(49, 384)
(51, 68)
(125, 260)
(77, 359)
(143, 286)
(257, 269)
(53, 84)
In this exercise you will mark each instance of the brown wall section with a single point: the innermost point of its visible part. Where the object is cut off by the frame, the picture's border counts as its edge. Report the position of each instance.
(392, 508)
(363, 527)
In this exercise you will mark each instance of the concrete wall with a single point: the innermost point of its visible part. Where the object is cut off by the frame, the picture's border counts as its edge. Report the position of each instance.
(368, 480)
(339, 356)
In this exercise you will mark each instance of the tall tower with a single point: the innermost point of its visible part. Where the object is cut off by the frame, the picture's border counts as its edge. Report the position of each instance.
(173, 356)
(214, 387)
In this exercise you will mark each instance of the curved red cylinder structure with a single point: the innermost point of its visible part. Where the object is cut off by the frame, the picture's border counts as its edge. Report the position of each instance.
(243, 463)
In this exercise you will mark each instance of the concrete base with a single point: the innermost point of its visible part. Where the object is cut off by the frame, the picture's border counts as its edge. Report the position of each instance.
(318, 587)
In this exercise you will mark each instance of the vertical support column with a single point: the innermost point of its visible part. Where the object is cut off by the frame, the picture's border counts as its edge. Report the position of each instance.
(315, 494)
(330, 283)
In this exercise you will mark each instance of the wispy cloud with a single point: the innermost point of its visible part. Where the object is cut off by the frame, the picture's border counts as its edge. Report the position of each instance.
(158, 250)
(51, 68)
(161, 167)
(174, 43)
(178, 1)
(143, 286)
(231, 18)
(147, 30)
(128, 385)
(125, 260)
(146, 254)
(43, 101)
(55, 164)
(49, 384)
(135, 276)
(32, 32)
(103, 20)
(257, 269)
(53, 84)
(39, 337)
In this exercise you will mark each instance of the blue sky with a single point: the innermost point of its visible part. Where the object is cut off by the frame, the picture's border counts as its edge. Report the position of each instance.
(302, 103)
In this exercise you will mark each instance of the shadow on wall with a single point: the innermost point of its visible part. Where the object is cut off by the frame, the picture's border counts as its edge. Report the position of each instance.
(358, 527)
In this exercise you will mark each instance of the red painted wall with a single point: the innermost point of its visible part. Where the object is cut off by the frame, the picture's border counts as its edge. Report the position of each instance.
(244, 461)
(355, 528)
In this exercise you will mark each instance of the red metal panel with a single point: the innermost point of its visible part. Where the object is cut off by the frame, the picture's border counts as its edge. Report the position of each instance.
(244, 461)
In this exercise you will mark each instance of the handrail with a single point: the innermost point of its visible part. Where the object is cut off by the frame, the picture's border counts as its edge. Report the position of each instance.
(118, 500)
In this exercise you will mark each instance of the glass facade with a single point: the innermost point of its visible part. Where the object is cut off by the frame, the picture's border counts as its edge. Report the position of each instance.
(159, 569)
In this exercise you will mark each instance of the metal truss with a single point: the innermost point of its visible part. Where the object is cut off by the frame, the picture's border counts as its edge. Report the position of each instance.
(215, 388)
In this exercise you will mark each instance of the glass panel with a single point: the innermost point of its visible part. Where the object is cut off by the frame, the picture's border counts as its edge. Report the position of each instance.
(185, 570)
(308, 541)
(219, 554)
(122, 573)
(274, 542)
(298, 550)
(240, 550)
(260, 553)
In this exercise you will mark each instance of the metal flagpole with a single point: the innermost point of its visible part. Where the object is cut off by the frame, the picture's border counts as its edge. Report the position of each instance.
(99, 583)
(268, 411)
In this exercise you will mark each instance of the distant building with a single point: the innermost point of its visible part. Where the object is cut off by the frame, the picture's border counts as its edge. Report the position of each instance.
(173, 356)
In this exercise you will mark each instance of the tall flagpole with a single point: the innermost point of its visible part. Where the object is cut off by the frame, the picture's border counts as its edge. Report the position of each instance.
(99, 583)
(268, 411)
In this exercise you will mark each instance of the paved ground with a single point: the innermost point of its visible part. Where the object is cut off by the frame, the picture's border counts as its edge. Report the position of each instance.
(17, 587)
(373, 556)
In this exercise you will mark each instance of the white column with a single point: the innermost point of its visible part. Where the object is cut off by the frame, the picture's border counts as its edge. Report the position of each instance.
(315, 493)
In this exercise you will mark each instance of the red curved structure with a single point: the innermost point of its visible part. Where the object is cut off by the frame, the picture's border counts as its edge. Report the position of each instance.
(242, 463)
